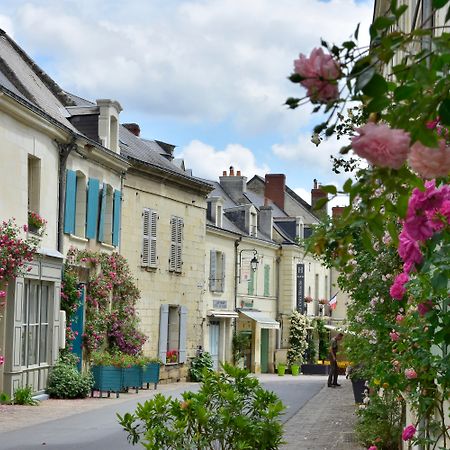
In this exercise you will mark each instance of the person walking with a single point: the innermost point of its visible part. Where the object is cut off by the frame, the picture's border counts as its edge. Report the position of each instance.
(333, 375)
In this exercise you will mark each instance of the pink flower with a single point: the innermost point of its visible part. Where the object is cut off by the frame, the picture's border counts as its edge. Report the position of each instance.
(398, 289)
(394, 336)
(408, 432)
(411, 374)
(409, 250)
(400, 318)
(2, 294)
(319, 72)
(373, 447)
(423, 308)
(430, 162)
(2, 360)
(381, 145)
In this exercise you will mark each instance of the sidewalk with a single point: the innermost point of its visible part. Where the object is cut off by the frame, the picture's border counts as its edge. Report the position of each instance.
(325, 422)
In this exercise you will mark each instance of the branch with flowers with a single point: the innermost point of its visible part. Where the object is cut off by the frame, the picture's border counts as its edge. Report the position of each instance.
(392, 244)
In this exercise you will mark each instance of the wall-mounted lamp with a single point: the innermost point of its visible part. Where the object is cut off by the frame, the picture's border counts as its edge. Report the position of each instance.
(253, 262)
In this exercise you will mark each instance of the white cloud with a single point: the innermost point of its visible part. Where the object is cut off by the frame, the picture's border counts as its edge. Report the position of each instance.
(193, 60)
(208, 162)
(6, 24)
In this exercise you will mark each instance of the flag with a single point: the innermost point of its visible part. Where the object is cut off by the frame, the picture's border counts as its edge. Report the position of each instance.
(333, 301)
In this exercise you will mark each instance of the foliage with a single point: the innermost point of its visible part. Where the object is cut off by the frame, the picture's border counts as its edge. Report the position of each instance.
(380, 422)
(241, 342)
(65, 381)
(392, 244)
(310, 354)
(111, 319)
(230, 411)
(298, 335)
(5, 399)
(116, 359)
(323, 335)
(24, 396)
(201, 363)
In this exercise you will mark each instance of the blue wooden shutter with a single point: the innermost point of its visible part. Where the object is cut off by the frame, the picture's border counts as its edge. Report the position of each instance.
(183, 331)
(92, 208)
(116, 218)
(101, 222)
(163, 332)
(78, 326)
(71, 192)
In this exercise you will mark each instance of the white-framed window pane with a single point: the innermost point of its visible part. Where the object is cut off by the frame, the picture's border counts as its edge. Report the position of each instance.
(32, 344)
(43, 344)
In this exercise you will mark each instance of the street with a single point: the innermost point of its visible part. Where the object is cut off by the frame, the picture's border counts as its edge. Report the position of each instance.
(97, 429)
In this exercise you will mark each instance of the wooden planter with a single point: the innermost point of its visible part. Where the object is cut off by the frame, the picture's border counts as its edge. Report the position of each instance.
(150, 374)
(315, 369)
(132, 377)
(107, 379)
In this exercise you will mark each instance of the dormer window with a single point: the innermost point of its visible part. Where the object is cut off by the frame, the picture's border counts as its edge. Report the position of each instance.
(219, 214)
(108, 124)
(253, 224)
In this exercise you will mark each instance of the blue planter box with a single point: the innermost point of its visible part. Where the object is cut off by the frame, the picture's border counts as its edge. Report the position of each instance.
(132, 377)
(107, 379)
(150, 374)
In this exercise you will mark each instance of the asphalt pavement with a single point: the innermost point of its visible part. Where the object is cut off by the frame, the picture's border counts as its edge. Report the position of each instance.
(316, 417)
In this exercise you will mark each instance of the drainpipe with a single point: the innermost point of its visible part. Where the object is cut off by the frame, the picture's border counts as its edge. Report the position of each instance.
(279, 316)
(64, 151)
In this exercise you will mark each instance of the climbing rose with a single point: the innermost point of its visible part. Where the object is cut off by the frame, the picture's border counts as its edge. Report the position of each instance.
(2, 294)
(320, 72)
(409, 250)
(381, 145)
(408, 432)
(2, 360)
(430, 162)
(423, 308)
(394, 336)
(410, 374)
(398, 290)
(373, 447)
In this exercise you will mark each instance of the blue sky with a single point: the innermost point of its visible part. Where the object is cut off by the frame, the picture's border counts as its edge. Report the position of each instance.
(209, 76)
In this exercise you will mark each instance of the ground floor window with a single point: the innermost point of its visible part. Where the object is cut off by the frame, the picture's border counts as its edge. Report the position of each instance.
(172, 334)
(37, 298)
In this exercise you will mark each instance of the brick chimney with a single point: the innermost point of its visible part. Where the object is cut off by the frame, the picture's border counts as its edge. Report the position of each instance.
(234, 185)
(337, 211)
(133, 128)
(317, 194)
(275, 185)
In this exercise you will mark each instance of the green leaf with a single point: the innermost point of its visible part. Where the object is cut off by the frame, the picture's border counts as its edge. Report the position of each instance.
(347, 185)
(383, 22)
(319, 128)
(439, 3)
(402, 205)
(378, 104)
(356, 34)
(330, 189)
(404, 92)
(444, 112)
(439, 281)
(320, 203)
(296, 78)
(400, 10)
(349, 45)
(292, 102)
(376, 86)
(364, 77)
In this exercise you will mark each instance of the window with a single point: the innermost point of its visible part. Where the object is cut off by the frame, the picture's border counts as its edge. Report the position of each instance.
(219, 216)
(253, 224)
(307, 232)
(35, 326)
(176, 244)
(172, 334)
(266, 280)
(34, 183)
(149, 221)
(217, 271)
(80, 204)
(325, 288)
(316, 286)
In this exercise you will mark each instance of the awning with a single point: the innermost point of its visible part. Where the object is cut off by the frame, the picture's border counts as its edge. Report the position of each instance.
(261, 318)
(223, 314)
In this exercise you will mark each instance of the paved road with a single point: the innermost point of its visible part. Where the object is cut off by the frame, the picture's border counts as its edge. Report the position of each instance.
(97, 429)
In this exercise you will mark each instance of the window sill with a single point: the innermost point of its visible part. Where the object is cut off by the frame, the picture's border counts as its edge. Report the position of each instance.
(173, 364)
(108, 246)
(149, 268)
(78, 238)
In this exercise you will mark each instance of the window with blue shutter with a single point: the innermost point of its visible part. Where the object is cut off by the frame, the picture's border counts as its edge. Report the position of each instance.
(71, 192)
(92, 208)
(116, 218)
(101, 222)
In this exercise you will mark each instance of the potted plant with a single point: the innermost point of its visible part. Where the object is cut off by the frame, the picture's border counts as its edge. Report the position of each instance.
(171, 356)
(150, 371)
(36, 223)
(298, 335)
(281, 369)
(107, 370)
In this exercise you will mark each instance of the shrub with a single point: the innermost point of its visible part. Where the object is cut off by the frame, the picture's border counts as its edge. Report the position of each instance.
(298, 334)
(5, 399)
(65, 381)
(201, 363)
(24, 396)
(231, 410)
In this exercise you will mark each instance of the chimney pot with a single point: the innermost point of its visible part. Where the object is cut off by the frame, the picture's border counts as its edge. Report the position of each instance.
(231, 171)
(224, 173)
(133, 128)
(238, 173)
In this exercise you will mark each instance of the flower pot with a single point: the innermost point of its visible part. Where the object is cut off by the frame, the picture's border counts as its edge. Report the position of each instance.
(281, 369)
(359, 386)
(315, 369)
(295, 369)
(132, 377)
(150, 374)
(107, 379)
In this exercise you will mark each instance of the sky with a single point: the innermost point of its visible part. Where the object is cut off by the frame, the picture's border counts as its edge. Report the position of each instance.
(209, 76)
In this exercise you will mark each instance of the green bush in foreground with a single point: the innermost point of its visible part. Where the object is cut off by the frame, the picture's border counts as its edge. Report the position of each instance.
(231, 411)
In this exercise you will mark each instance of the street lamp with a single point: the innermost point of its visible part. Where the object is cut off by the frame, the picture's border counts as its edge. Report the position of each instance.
(253, 262)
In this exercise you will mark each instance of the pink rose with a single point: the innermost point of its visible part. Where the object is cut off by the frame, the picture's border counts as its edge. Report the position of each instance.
(2, 360)
(411, 374)
(423, 308)
(409, 250)
(430, 162)
(320, 73)
(408, 432)
(373, 447)
(399, 318)
(381, 145)
(394, 336)
(2, 294)
(398, 289)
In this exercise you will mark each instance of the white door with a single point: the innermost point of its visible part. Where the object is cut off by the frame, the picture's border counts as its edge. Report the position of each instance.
(214, 333)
